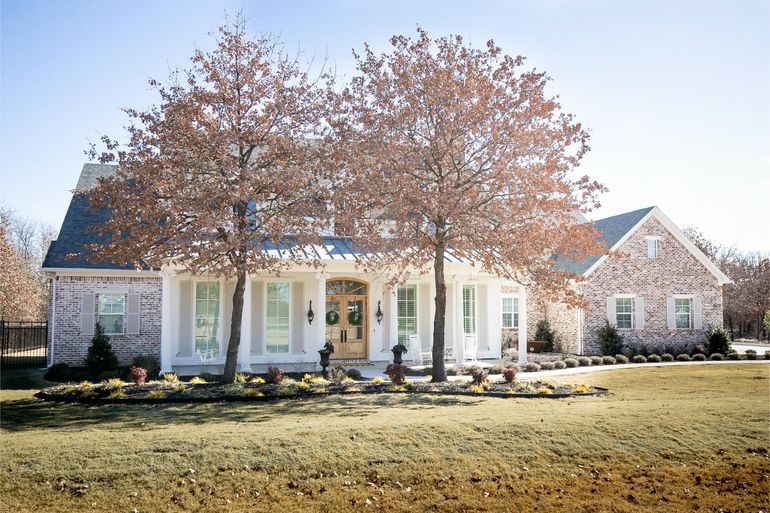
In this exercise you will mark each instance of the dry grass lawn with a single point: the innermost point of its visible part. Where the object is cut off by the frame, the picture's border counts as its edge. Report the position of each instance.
(692, 438)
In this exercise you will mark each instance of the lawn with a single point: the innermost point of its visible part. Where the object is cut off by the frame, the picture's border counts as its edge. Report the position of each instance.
(667, 439)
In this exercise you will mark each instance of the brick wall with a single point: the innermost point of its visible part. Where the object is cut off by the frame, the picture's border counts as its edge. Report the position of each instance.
(675, 271)
(71, 347)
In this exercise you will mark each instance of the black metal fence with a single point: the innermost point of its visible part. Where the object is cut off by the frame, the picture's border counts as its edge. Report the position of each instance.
(24, 344)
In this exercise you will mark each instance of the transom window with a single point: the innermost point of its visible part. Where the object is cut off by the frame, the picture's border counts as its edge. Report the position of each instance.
(683, 313)
(469, 309)
(111, 310)
(407, 312)
(277, 325)
(207, 315)
(624, 313)
(510, 309)
(345, 288)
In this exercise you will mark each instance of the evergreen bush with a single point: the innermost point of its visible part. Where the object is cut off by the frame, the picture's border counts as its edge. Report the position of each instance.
(100, 358)
(610, 341)
(544, 332)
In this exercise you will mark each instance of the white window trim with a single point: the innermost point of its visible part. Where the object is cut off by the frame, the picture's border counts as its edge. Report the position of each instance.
(195, 281)
(632, 297)
(691, 297)
(655, 238)
(416, 305)
(124, 292)
(514, 313)
(475, 309)
(291, 316)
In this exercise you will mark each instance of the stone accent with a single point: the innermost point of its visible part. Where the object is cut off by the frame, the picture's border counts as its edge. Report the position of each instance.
(674, 271)
(71, 346)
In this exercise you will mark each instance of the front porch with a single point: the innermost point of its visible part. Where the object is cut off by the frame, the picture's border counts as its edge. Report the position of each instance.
(287, 319)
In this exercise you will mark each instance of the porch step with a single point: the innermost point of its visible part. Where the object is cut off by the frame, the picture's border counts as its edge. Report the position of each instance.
(352, 362)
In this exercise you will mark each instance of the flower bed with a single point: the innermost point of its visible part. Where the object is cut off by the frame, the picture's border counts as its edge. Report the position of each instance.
(160, 392)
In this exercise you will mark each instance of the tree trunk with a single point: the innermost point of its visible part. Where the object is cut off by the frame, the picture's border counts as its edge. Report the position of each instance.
(235, 329)
(439, 321)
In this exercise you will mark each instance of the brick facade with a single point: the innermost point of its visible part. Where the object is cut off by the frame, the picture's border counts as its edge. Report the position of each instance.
(675, 271)
(70, 346)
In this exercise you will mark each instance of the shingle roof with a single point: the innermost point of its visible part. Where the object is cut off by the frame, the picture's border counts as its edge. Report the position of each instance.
(612, 229)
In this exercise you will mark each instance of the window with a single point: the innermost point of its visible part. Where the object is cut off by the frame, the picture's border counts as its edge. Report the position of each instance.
(624, 317)
(277, 325)
(407, 312)
(510, 312)
(683, 313)
(652, 247)
(206, 315)
(111, 309)
(469, 309)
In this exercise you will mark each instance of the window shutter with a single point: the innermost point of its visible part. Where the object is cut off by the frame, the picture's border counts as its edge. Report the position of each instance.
(132, 315)
(697, 313)
(670, 313)
(87, 306)
(639, 305)
(611, 311)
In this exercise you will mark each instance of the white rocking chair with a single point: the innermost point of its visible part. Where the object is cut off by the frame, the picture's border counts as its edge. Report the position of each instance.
(471, 348)
(419, 356)
(206, 356)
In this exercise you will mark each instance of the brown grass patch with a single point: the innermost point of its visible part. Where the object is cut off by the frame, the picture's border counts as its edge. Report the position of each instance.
(667, 439)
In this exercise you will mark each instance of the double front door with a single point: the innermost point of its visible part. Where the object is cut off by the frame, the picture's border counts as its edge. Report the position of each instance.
(346, 325)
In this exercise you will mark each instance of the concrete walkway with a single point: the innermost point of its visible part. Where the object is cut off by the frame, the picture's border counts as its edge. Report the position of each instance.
(378, 369)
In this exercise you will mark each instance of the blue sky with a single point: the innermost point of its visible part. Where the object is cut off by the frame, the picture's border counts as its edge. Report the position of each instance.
(676, 93)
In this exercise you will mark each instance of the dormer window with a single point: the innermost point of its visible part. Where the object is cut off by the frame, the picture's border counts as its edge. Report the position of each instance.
(652, 246)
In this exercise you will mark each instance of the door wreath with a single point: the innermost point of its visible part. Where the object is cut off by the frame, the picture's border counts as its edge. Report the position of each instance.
(355, 318)
(332, 318)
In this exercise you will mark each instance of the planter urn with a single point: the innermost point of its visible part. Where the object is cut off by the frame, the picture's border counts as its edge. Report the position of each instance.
(325, 352)
(398, 350)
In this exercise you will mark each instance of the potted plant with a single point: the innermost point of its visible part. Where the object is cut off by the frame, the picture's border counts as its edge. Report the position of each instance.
(544, 336)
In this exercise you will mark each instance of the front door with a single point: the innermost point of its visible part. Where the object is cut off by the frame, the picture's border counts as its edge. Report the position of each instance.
(347, 319)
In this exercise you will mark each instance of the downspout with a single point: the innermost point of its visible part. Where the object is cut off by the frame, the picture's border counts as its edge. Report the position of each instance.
(53, 317)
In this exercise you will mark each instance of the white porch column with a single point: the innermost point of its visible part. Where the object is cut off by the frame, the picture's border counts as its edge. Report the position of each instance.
(166, 322)
(522, 325)
(318, 328)
(458, 322)
(244, 348)
(392, 320)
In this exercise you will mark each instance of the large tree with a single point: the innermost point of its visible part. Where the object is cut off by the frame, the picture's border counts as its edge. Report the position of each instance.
(227, 166)
(450, 148)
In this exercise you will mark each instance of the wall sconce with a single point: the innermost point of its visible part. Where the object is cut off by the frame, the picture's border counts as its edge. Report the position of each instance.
(380, 315)
(310, 314)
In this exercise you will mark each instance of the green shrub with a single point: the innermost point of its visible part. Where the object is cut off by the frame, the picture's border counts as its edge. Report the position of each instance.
(559, 365)
(751, 354)
(547, 366)
(584, 361)
(59, 372)
(621, 358)
(683, 357)
(610, 341)
(699, 357)
(597, 360)
(532, 367)
(639, 359)
(654, 358)
(100, 355)
(667, 357)
(608, 360)
(733, 355)
(767, 355)
(156, 394)
(717, 357)
(718, 340)
(451, 371)
(354, 374)
(544, 332)
(148, 362)
(570, 362)
(495, 369)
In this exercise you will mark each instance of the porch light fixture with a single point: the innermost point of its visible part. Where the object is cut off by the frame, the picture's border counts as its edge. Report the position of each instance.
(380, 315)
(310, 314)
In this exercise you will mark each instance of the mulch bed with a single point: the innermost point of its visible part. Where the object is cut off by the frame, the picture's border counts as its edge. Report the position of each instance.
(167, 392)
